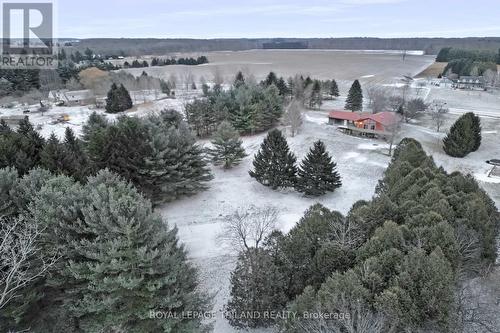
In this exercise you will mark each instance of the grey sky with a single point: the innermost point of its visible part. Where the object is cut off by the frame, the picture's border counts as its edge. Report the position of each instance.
(278, 18)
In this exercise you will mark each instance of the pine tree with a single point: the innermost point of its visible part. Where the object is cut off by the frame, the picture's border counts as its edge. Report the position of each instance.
(271, 79)
(334, 89)
(354, 101)
(124, 96)
(476, 127)
(131, 264)
(53, 156)
(257, 284)
(274, 164)
(228, 150)
(118, 99)
(4, 127)
(175, 165)
(282, 87)
(29, 145)
(112, 102)
(239, 80)
(317, 173)
(315, 98)
(462, 137)
(76, 161)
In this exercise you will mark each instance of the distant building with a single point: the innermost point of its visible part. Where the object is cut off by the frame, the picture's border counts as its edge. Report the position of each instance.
(364, 124)
(470, 82)
(72, 98)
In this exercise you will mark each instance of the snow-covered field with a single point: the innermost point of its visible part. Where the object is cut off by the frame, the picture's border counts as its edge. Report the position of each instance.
(344, 66)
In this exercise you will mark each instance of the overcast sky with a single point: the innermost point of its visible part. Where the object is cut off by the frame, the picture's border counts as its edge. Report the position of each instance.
(277, 18)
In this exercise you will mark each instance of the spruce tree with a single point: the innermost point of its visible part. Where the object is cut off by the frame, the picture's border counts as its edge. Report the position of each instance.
(315, 98)
(476, 128)
(125, 99)
(334, 89)
(76, 162)
(462, 137)
(112, 100)
(271, 79)
(53, 155)
(354, 101)
(29, 145)
(239, 80)
(131, 264)
(256, 284)
(274, 164)
(227, 150)
(317, 173)
(118, 99)
(4, 127)
(175, 165)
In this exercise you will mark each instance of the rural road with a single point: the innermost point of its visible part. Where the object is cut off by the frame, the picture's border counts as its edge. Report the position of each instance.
(492, 113)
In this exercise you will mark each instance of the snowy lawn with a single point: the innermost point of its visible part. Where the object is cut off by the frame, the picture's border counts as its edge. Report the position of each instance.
(360, 162)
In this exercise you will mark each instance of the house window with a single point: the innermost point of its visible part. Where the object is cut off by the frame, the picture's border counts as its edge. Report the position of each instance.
(373, 127)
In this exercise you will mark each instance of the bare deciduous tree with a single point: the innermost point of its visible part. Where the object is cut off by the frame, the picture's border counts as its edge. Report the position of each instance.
(378, 99)
(293, 117)
(246, 229)
(18, 249)
(438, 109)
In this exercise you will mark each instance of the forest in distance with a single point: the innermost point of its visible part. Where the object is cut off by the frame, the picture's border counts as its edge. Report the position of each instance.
(134, 46)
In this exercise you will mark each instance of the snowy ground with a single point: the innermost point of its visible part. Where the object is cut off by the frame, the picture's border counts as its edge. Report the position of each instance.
(361, 162)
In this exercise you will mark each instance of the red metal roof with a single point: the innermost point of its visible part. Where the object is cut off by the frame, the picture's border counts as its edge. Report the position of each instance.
(385, 118)
(344, 115)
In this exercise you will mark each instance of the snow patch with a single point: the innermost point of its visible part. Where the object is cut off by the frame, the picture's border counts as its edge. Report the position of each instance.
(484, 178)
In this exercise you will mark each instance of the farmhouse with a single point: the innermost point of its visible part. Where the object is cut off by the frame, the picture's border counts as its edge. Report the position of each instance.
(72, 98)
(470, 82)
(365, 124)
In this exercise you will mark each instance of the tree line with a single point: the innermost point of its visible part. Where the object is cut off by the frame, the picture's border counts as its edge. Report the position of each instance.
(391, 264)
(253, 107)
(158, 154)
(166, 62)
(468, 62)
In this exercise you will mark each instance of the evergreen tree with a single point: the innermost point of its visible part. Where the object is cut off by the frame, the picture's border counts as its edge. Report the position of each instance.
(227, 150)
(282, 87)
(124, 96)
(131, 264)
(271, 79)
(256, 284)
(119, 261)
(118, 99)
(4, 127)
(354, 101)
(476, 127)
(53, 156)
(112, 100)
(76, 162)
(463, 137)
(334, 89)
(175, 165)
(315, 99)
(317, 173)
(239, 80)
(23, 148)
(274, 164)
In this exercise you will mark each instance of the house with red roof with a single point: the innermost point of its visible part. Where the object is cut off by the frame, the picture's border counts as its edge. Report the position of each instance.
(365, 124)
